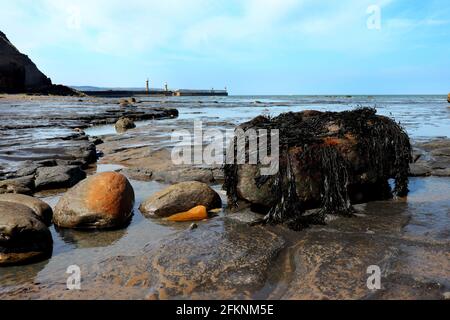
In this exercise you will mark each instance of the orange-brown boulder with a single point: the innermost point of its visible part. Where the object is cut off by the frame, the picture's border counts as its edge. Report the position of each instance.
(104, 200)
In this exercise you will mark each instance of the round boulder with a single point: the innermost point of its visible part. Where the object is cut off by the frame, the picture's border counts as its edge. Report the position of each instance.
(124, 124)
(180, 197)
(41, 209)
(104, 200)
(23, 238)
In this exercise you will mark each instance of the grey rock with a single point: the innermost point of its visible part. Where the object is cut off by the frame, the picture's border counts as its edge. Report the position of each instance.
(46, 163)
(441, 172)
(97, 141)
(445, 151)
(418, 170)
(245, 216)
(204, 175)
(22, 185)
(124, 124)
(140, 174)
(27, 170)
(40, 209)
(58, 177)
(179, 198)
(23, 238)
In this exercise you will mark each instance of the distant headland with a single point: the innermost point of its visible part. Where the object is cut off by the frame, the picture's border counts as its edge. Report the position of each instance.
(18, 74)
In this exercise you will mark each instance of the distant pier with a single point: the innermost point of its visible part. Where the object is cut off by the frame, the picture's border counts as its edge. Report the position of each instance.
(175, 93)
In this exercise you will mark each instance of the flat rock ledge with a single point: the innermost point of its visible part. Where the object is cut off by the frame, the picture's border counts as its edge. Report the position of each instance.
(431, 158)
(221, 259)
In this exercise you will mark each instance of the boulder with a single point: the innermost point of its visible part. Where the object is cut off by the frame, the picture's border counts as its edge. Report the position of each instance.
(126, 102)
(23, 237)
(419, 170)
(23, 185)
(139, 174)
(448, 98)
(28, 169)
(123, 124)
(104, 200)
(180, 197)
(40, 209)
(204, 175)
(58, 177)
(327, 160)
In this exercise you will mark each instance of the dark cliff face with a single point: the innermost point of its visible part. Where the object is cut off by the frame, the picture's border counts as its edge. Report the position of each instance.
(17, 72)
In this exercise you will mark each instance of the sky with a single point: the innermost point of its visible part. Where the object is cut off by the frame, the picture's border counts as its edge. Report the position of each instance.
(248, 46)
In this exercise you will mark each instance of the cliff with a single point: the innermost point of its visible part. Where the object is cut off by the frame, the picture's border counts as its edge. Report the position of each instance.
(17, 72)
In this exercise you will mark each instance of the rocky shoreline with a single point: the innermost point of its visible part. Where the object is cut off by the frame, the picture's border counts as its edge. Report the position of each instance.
(57, 160)
(223, 256)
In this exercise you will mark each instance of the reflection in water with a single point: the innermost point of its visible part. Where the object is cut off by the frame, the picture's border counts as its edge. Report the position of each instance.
(85, 248)
(16, 275)
(91, 239)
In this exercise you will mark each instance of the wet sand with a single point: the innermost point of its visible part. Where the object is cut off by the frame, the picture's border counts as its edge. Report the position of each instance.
(408, 239)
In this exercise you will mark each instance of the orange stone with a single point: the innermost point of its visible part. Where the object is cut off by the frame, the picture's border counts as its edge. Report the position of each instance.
(195, 214)
(106, 192)
(331, 141)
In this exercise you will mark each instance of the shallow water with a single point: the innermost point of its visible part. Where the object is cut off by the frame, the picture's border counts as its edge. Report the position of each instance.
(30, 128)
(424, 117)
(427, 212)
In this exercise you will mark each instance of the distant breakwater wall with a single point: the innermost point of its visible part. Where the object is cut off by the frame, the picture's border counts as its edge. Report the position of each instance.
(178, 93)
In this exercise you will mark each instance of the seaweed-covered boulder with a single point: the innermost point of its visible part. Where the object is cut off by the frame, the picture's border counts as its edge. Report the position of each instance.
(327, 160)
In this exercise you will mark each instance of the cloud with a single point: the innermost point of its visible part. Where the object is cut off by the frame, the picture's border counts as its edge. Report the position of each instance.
(202, 27)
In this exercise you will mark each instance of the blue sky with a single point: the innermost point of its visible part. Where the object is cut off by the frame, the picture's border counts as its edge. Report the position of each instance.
(250, 46)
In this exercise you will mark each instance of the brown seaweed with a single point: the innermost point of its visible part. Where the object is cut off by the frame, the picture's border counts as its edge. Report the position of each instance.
(381, 140)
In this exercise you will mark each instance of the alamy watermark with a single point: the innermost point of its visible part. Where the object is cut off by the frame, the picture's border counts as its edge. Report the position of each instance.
(73, 21)
(74, 280)
(374, 280)
(374, 20)
(217, 147)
